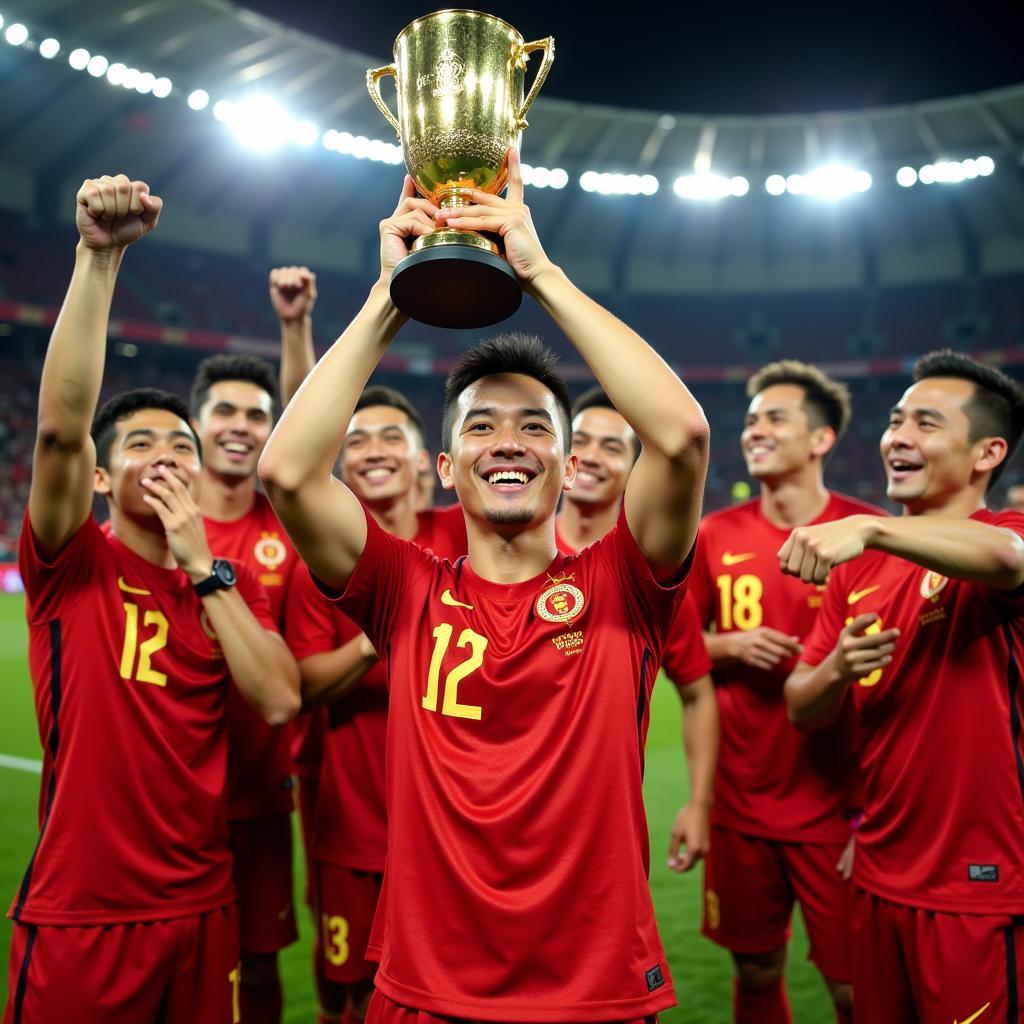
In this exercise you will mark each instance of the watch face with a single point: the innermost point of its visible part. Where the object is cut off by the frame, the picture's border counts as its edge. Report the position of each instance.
(224, 571)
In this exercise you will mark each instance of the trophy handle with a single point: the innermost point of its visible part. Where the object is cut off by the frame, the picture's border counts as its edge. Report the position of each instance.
(548, 46)
(373, 78)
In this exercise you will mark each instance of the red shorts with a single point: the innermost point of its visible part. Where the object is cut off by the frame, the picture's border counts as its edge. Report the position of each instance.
(751, 884)
(387, 1011)
(346, 901)
(182, 971)
(914, 966)
(262, 849)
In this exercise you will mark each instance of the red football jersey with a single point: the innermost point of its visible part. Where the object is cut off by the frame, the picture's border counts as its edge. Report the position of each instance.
(259, 755)
(516, 880)
(942, 757)
(351, 814)
(130, 687)
(686, 657)
(772, 780)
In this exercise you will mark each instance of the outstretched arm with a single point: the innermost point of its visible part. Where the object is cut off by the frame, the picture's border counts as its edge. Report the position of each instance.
(111, 213)
(665, 490)
(293, 296)
(322, 516)
(960, 548)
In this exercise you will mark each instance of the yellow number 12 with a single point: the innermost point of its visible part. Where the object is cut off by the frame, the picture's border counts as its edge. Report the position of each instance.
(157, 642)
(450, 704)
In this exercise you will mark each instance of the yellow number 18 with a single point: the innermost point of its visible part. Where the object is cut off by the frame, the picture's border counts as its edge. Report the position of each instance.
(740, 601)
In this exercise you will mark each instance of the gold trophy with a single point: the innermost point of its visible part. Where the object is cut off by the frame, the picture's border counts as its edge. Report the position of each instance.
(459, 77)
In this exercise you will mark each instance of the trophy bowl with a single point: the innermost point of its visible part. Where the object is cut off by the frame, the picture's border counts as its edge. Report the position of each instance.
(459, 76)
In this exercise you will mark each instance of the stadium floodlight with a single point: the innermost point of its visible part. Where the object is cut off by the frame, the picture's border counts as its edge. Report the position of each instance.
(131, 78)
(260, 123)
(833, 181)
(906, 176)
(985, 165)
(305, 133)
(926, 175)
(708, 187)
(545, 177)
(198, 99)
(775, 185)
(162, 88)
(588, 181)
(116, 73)
(330, 138)
(97, 66)
(795, 184)
(649, 185)
(49, 48)
(224, 111)
(1, 21)
(344, 142)
(145, 83)
(16, 33)
(560, 177)
(79, 58)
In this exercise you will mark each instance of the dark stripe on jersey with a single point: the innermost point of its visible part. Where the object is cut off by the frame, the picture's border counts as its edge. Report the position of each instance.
(1013, 685)
(1012, 996)
(641, 704)
(53, 741)
(19, 992)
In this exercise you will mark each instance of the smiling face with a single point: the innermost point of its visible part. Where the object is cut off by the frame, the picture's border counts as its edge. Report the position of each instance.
(507, 461)
(778, 438)
(928, 455)
(233, 426)
(144, 441)
(382, 455)
(604, 446)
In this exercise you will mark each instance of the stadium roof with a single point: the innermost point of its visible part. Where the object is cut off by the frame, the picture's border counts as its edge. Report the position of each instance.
(58, 125)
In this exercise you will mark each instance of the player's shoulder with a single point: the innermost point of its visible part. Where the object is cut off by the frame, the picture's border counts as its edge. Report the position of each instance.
(842, 505)
(1008, 517)
(727, 518)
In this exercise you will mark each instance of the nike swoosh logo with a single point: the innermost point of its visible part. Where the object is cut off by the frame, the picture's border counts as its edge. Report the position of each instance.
(855, 596)
(973, 1016)
(130, 590)
(446, 598)
(730, 559)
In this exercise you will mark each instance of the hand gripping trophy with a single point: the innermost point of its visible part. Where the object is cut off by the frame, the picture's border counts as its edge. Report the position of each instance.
(460, 82)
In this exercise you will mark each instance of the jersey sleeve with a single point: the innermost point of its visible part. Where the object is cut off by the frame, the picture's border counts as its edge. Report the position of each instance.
(830, 621)
(54, 583)
(1009, 601)
(686, 657)
(651, 604)
(311, 619)
(383, 573)
(697, 586)
(254, 596)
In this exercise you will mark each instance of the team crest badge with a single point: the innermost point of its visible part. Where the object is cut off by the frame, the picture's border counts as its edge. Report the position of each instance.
(932, 585)
(270, 551)
(561, 601)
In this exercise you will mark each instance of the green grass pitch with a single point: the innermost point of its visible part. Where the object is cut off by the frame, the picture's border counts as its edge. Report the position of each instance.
(701, 970)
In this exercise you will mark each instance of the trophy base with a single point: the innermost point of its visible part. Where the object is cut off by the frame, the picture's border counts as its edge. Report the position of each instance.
(455, 286)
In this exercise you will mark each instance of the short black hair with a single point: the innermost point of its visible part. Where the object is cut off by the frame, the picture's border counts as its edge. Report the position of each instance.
(597, 398)
(379, 394)
(104, 424)
(231, 367)
(996, 409)
(513, 352)
(826, 401)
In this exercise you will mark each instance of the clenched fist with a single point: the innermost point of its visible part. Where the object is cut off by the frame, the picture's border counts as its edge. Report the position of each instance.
(292, 293)
(113, 212)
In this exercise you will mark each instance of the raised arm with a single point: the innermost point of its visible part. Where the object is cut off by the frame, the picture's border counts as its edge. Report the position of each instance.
(322, 516)
(293, 296)
(666, 488)
(111, 213)
(330, 675)
(961, 548)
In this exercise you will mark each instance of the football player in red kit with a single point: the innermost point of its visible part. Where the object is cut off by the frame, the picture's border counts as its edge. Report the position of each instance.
(920, 635)
(606, 448)
(782, 800)
(516, 879)
(126, 911)
(380, 462)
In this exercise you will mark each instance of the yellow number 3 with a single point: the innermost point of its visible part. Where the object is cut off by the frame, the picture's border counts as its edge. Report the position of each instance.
(157, 642)
(336, 947)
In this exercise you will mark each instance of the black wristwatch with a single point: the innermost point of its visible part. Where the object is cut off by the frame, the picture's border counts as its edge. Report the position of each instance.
(222, 575)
